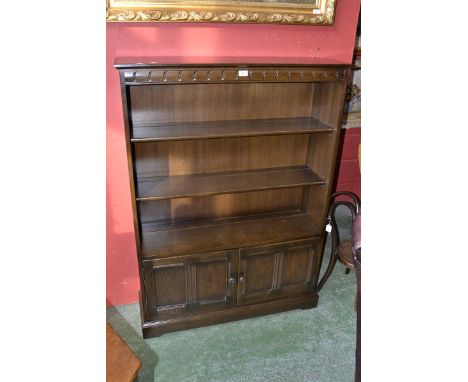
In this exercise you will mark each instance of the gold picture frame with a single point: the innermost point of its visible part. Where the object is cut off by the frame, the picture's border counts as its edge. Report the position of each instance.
(303, 12)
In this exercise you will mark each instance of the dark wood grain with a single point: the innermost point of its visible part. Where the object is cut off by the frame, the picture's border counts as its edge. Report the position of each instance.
(180, 186)
(230, 176)
(219, 155)
(155, 214)
(196, 75)
(226, 61)
(190, 284)
(191, 103)
(226, 235)
(224, 129)
(322, 152)
(273, 271)
(154, 328)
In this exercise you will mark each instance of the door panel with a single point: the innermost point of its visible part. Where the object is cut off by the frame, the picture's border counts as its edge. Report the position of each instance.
(259, 272)
(212, 281)
(298, 267)
(274, 271)
(167, 281)
(189, 284)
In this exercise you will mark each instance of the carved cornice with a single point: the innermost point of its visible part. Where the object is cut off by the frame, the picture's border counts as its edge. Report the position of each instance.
(174, 75)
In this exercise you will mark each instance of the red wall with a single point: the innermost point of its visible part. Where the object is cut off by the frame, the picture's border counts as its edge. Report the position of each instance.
(348, 173)
(152, 39)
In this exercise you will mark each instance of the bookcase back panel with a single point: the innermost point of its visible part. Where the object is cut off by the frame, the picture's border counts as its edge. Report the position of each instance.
(218, 155)
(214, 102)
(220, 206)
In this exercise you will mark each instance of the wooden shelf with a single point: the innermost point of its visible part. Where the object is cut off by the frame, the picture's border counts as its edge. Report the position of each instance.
(182, 186)
(226, 129)
(226, 234)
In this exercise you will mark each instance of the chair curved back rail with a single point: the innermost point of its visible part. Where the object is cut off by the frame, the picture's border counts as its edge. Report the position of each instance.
(351, 195)
(339, 249)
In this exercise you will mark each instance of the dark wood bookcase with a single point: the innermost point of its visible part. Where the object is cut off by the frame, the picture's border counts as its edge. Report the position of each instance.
(231, 165)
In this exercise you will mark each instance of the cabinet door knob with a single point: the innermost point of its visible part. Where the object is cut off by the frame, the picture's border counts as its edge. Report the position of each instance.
(232, 280)
(242, 279)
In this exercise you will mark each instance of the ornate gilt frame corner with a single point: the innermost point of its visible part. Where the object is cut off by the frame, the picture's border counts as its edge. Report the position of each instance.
(221, 11)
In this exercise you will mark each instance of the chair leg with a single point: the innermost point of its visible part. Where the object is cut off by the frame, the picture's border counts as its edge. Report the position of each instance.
(326, 275)
(347, 271)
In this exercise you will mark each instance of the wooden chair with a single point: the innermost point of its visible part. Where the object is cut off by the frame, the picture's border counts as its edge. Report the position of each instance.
(357, 268)
(122, 365)
(349, 253)
(341, 250)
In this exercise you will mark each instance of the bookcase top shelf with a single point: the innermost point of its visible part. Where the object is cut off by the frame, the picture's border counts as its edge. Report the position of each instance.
(226, 129)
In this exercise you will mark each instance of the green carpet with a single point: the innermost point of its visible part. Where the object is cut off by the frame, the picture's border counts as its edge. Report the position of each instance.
(300, 345)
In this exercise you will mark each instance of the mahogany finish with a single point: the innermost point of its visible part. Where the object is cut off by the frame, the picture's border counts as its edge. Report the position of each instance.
(171, 131)
(242, 232)
(225, 61)
(231, 166)
(274, 271)
(218, 155)
(158, 214)
(180, 186)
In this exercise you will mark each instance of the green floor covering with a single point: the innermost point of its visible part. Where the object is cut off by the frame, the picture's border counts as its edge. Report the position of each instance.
(300, 345)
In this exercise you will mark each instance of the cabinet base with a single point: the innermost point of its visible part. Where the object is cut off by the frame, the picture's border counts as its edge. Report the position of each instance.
(156, 328)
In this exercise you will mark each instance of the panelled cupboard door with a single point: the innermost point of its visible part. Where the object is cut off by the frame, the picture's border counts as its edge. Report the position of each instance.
(273, 271)
(297, 267)
(190, 284)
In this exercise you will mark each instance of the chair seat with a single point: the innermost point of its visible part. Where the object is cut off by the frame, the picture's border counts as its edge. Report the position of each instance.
(345, 253)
